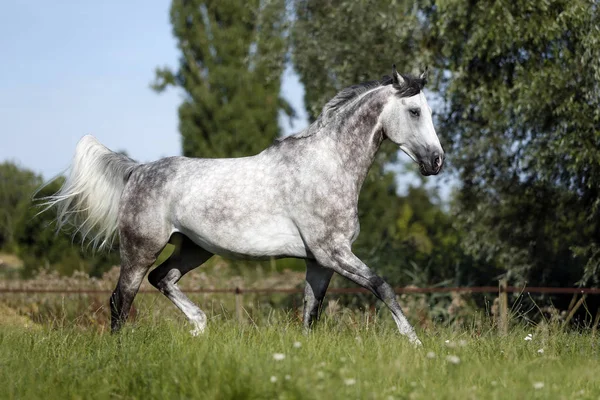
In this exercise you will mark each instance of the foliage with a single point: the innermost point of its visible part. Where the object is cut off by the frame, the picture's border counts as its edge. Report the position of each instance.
(16, 189)
(232, 59)
(522, 93)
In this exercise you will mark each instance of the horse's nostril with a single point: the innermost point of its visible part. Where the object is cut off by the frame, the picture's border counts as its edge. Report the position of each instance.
(437, 161)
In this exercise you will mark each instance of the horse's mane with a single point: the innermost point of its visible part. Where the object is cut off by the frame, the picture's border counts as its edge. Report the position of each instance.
(410, 87)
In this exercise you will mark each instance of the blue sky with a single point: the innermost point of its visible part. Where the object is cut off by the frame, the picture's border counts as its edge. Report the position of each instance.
(70, 68)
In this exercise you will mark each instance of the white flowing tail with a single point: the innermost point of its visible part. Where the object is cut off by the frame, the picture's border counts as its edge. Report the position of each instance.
(89, 198)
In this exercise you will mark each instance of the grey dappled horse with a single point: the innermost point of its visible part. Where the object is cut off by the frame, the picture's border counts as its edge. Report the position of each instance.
(297, 198)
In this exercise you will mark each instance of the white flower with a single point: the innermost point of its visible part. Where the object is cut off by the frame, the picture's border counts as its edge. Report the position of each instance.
(538, 385)
(453, 359)
(297, 345)
(450, 344)
(529, 337)
(431, 354)
(447, 341)
(287, 377)
(349, 381)
(462, 343)
(273, 379)
(278, 356)
(320, 374)
(541, 351)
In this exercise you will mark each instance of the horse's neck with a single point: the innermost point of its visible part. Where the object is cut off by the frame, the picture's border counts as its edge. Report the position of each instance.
(359, 137)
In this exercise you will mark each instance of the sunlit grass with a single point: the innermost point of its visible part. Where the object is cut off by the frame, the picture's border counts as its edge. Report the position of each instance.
(272, 358)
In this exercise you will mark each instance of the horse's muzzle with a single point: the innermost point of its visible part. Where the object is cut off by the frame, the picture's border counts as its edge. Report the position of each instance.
(433, 166)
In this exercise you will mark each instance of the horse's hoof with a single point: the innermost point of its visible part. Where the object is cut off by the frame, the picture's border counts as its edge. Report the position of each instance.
(417, 343)
(197, 331)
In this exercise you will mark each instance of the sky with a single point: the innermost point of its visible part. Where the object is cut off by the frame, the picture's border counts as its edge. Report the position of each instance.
(70, 68)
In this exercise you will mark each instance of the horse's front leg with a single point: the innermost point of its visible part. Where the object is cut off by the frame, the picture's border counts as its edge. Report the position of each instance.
(344, 262)
(317, 281)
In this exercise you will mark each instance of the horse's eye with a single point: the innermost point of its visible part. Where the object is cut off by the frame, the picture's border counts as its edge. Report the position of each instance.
(414, 112)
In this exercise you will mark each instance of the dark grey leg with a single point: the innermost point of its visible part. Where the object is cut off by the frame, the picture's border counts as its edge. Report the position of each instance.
(135, 262)
(345, 263)
(186, 257)
(122, 298)
(317, 281)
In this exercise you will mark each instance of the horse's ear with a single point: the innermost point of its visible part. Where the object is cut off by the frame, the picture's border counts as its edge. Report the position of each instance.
(397, 79)
(424, 75)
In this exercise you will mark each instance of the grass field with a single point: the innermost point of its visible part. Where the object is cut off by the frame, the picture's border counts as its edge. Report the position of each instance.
(273, 359)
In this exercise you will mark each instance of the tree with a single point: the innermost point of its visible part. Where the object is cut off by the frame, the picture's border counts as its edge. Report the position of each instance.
(523, 126)
(17, 186)
(232, 57)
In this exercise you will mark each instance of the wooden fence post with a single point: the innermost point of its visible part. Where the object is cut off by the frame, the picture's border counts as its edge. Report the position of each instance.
(503, 306)
(596, 322)
(574, 310)
(239, 304)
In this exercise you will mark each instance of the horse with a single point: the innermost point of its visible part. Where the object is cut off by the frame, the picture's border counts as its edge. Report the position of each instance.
(297, 198)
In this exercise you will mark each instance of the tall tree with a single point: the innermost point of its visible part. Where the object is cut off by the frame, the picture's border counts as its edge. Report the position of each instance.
(232, 58)
(523, 123)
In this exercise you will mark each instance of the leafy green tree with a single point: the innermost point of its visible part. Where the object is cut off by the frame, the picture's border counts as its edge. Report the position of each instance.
(232, 57)
(523, 126)
(17, 186)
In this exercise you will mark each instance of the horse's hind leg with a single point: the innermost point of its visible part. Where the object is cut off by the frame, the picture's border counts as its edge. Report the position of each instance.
(138, 253)
(186, 257)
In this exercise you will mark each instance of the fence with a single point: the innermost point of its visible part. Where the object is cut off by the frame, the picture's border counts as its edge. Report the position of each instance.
(502, 289)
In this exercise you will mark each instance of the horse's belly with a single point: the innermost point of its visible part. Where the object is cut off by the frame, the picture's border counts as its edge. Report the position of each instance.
(258, 239)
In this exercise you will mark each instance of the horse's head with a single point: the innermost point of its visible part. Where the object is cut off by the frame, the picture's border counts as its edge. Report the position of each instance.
(406, 121)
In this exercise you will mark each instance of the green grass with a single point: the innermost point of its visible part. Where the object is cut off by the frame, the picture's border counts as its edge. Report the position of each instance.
(337, 361)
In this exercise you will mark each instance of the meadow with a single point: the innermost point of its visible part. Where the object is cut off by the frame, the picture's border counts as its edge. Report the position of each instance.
(351, 354)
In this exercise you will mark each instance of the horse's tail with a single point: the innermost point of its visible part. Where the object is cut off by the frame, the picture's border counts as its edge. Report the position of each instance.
(89, 198)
